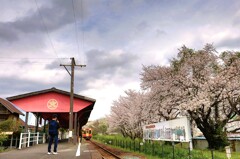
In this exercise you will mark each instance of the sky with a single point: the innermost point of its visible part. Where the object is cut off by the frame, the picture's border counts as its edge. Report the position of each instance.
(113, 38)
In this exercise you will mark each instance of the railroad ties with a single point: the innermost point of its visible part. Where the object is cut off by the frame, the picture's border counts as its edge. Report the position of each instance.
(112, 153)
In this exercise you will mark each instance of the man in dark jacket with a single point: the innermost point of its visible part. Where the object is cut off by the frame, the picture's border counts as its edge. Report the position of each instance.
(53, 134)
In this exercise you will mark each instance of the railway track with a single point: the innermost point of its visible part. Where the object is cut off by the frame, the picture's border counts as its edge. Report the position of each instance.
(108, 154)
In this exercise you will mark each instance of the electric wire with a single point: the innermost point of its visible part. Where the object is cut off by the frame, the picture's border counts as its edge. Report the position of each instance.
(28, 60)
(76, 28)
(82, 23)
(81, 37)
(46, 29)
(45, 58)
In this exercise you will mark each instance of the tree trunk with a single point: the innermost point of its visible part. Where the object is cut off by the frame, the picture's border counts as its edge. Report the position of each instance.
(214, 133)
(216, 141)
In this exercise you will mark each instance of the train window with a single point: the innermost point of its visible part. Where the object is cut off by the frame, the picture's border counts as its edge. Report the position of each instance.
(87, 133)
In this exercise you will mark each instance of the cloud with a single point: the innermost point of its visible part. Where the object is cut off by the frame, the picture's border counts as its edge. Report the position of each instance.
(7, 33)
(13, 86)
(110, 62)
(50, 19)
(229, 42)
(115, 39)
(56, 64)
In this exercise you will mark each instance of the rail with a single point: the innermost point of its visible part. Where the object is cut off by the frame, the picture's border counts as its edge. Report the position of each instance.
(106, 150)
(30, 138)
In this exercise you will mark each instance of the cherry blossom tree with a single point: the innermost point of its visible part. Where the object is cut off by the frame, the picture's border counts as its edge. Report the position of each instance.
(156, 81)
(200, 84)
(126, 114)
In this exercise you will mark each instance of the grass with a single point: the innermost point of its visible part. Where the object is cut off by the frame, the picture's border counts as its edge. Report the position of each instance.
(164, 150)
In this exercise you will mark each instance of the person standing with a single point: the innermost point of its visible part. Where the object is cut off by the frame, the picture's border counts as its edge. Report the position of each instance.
(53, 134)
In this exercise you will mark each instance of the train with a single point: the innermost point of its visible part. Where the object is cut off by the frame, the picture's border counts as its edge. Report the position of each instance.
(87, 133)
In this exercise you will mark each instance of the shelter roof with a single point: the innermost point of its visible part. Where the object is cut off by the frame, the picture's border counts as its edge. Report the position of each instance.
(50, 100)
(10, 106)
(46, 102)
(53, 89)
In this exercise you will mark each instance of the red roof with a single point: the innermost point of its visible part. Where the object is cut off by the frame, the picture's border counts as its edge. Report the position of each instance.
(50, 100)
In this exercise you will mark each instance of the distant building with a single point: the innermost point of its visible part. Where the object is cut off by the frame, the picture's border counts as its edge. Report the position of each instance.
(8, 110)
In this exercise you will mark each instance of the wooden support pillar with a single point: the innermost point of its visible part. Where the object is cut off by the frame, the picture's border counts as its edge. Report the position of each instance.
(44, 127)
(26, 122)
(37, 121)
(75, 123)
(75, 128)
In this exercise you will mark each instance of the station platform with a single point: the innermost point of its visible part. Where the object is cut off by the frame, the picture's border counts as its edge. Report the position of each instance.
(65, 151)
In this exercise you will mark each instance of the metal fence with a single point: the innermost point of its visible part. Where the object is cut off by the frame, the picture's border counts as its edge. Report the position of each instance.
(23, 140)
(29, 139)
(10, 142)
(165, 150)
(154, 149)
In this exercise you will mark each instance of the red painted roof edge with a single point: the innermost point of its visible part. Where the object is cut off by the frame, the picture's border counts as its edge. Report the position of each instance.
(53, 89)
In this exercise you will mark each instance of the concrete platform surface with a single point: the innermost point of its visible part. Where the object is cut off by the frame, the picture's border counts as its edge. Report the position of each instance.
(65, 151)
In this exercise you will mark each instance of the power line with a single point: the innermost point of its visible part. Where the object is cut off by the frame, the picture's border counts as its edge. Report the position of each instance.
(76, 30)
(19, 61)
(79, 38)
(28, 60)
(24, 58)
(82, 22)
(46, 29)
(82, 32)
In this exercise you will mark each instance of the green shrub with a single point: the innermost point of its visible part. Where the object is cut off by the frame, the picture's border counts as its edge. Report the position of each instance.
(10, 125)
(2, 137)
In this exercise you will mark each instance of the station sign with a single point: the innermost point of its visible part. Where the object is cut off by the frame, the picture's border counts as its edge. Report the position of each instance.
(177, 130)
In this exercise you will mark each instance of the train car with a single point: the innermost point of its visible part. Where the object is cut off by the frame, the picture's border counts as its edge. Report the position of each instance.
(87, 133)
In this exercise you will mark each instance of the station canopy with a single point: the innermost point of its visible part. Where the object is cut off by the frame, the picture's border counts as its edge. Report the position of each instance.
(46, 102)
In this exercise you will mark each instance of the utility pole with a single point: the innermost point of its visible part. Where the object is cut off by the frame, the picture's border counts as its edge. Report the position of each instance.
(73, 64)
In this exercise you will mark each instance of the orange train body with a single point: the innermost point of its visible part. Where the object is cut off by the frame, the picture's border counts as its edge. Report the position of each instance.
(87, 133)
